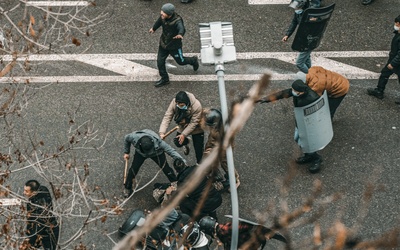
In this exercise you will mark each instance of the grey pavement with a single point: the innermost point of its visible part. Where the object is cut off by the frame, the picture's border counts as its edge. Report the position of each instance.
(365, 147)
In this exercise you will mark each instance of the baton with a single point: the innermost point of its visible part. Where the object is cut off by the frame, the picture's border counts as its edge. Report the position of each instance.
(125, 170)
(171, 131)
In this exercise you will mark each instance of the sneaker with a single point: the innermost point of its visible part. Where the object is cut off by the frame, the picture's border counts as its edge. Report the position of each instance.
(237, 183)
(161, 82)
(196, 63)
(375, 92)
(186, 149)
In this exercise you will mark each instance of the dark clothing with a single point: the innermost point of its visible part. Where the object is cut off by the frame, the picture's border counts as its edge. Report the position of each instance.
(157, 154)
(198, 144)
(177, 54)
(42, 226)
(299, 101)
(293, 25)
(246, 231)
(189, 204)
(138, 162)
(171, 27)
(394, 60)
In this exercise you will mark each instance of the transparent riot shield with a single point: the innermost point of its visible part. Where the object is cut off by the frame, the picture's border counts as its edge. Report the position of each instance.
(314, 125)
(312, 28)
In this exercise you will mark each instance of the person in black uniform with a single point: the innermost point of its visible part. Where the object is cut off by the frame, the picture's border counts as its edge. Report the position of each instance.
(302, 96)
(392, 66)
(42, 227)
(173, 31)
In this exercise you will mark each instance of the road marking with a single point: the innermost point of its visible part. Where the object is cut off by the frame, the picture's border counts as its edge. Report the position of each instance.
(58, 3)
(264, 2)
(10, 202)
(129, 71)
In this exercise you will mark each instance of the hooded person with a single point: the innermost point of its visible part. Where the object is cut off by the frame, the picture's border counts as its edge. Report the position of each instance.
(147, 144)
(186, 111)
(302, 95)
(173, 31)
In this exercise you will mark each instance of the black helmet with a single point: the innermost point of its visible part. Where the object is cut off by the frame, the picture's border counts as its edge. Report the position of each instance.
(146, 143)
(298, 4)
(214, 118)
(193, 236)
(207, 225)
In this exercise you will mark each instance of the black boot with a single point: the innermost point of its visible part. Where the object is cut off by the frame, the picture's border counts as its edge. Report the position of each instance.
(161, 83)
(375, 92)
(195, 63)
(315, 166)
(305, 159)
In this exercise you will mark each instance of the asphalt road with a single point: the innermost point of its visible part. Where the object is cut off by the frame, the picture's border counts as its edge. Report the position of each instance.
(365, 147)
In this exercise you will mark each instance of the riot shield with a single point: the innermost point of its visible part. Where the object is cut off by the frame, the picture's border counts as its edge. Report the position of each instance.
(314, 125)
(312, 28)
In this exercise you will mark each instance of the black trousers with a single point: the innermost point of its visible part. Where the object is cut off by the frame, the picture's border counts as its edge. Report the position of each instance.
(177, 54)
(49, 238)
(384, 77)
(137, 162)
(334, 104)
(198, 144)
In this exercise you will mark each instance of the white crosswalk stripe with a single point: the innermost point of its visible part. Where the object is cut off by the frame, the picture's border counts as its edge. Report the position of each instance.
(129, 71)
(58, 3)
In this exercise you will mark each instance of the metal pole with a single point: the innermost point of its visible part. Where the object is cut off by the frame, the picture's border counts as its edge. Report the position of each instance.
(219, 68)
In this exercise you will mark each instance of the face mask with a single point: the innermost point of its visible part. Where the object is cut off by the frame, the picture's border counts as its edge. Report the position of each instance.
(183, 107)
(396, 27)
(298, 11)
(294, 93)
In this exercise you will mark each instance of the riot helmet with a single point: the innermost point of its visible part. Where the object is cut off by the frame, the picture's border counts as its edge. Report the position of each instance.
(299, 4)
(192, 237)
(214, 118)
(208, 224)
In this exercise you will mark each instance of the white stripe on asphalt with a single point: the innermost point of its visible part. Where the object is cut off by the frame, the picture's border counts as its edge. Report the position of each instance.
(259, 2)
(58, 3)
(10, 202)
(131, 71)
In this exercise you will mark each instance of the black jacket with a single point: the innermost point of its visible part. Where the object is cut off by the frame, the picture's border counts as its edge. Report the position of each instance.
(298, 101)
(394, 54)
(293, 25)
(170, 28)
(40, 219)
(214, 198)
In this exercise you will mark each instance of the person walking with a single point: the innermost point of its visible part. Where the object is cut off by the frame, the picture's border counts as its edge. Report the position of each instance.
(147, 144)
(392, 66)
(186, 111)
(42, 226)
(302, 96)
(320, 79)
(173, 31)
(303, 61)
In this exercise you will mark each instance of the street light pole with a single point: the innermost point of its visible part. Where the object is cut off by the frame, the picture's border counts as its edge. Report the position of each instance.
(218, 48)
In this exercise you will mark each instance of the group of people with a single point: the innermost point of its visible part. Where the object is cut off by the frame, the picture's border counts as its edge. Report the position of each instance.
(192, 121)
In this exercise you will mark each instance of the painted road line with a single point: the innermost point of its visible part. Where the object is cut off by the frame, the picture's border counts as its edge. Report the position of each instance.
(265, 2)
(10, 202)
(58, 3)
(130, 71)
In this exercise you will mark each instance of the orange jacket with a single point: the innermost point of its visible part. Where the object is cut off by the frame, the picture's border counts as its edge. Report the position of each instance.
(320, 79)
